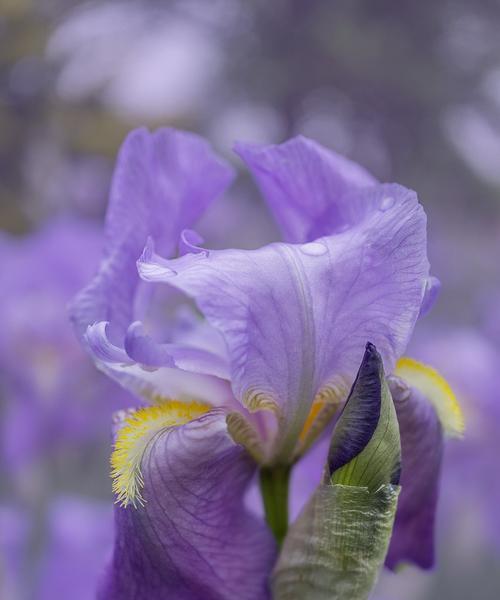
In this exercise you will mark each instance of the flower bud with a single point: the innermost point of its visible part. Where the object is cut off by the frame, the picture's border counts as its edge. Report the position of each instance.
(338, 543)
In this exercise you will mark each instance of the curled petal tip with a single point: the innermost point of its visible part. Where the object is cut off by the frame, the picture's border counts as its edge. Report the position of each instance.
(437, 390)
(190, 242)
(431, 293)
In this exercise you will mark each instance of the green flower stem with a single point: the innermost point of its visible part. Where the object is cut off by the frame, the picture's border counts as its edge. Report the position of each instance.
(274, 489)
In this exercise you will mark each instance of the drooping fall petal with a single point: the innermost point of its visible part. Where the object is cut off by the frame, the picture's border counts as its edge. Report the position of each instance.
(190, 536)
(427, 411)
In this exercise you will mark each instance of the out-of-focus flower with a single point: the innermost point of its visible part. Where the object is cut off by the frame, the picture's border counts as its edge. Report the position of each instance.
(13, 550)
(143, 61)
(56, 410)
(476, 139)
(79, 541)
(77, 538)
(263, 368)
(53, 396)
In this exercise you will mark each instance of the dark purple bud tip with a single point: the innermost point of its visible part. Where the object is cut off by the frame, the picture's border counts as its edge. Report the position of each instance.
(361, 412)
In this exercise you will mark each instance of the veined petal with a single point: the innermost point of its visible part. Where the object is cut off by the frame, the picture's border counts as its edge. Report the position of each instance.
(421, 456)
(308, 188)
(295, 318)
(157, 372)
(193, 538)
(427, 408)
(135, 435)
(144, 350)
(157, 385)
(162, 183)
(313, 191)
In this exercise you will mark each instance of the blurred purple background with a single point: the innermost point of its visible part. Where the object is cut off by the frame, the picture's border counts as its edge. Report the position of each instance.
(410, 90)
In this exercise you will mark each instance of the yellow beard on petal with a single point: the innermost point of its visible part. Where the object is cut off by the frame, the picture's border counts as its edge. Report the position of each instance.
(436, 389)
(316, 408)
(138, 430)
(325, 405)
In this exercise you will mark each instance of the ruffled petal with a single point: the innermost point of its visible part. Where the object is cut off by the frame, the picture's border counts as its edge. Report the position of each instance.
(295, 318)
(155, 372)
(143, 349)
(421, 449)
(102, 349)
(308, 188)
(190, 241)
(193, 537)
(162, 183)
(155, 385)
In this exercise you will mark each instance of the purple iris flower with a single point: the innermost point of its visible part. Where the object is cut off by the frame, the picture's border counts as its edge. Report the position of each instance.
(242, 357)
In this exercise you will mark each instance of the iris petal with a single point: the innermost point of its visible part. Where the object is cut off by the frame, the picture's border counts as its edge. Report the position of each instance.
(162, 183)
(295, 318)
(427, 410)
(193, 538)
(421, 457)
(436, 389)
(307, 187)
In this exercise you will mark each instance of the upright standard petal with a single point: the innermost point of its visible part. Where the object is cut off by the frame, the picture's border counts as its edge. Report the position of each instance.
(192, 537)
(309, 189)
(426, 409)
(296, 317)
(162, 183)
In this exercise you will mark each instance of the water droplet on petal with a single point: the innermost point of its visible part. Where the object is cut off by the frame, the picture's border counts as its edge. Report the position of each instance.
(387, 203)
(314, 249)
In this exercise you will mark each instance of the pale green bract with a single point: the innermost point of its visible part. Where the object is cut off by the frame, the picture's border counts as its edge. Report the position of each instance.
(337, 545)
